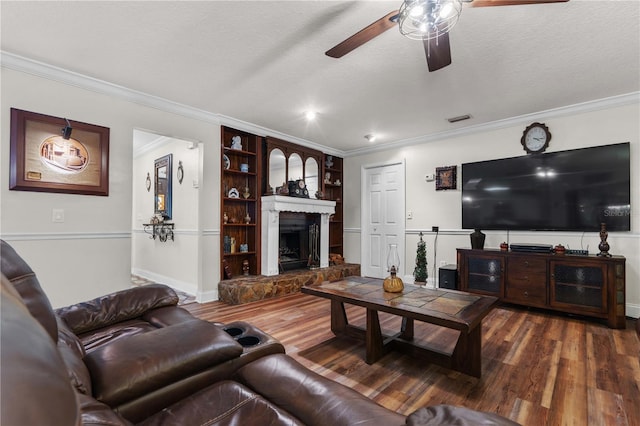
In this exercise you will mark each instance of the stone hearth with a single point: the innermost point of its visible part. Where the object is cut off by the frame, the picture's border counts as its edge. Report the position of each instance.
(246, 289)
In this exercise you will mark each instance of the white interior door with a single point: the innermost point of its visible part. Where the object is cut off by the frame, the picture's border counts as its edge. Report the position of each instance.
(383, 206)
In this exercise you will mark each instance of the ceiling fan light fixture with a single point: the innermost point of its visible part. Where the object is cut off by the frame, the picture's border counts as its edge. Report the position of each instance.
(427, 19)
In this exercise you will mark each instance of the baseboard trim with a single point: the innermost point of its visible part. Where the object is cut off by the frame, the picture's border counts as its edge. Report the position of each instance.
(183, 286)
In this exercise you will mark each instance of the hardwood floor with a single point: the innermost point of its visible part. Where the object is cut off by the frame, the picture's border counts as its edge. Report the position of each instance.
(538, 368)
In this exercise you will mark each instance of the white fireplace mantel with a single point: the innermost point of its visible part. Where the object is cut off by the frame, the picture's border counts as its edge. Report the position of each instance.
(272, 205)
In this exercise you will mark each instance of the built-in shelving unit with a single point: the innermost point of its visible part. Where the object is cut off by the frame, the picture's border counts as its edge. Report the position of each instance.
(332, 188)
(240, 203)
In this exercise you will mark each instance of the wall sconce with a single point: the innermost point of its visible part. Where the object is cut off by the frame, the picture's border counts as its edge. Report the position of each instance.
(66, 130)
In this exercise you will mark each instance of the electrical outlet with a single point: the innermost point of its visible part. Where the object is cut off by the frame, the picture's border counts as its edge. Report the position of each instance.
(409, 214)
(435, 228)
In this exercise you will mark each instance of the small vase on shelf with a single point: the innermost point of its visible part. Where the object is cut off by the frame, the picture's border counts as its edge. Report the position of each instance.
(477, 239)
(604, 245)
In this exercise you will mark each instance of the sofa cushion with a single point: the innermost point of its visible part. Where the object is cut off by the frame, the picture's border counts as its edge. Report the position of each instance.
(117, 307)
(34, 383)
(128, 368)
(98, 337)
(24, 280)
(313, 399)
(224, 403)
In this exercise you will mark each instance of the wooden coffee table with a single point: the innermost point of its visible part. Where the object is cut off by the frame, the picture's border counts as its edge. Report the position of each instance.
(446, 308)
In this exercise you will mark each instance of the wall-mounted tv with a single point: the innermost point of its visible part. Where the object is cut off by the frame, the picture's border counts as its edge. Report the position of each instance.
(573, 190)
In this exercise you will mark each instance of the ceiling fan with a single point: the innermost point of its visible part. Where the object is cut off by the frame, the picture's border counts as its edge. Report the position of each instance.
(426, 20)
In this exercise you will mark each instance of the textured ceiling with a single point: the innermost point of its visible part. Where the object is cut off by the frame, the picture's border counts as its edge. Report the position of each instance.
(263, 62)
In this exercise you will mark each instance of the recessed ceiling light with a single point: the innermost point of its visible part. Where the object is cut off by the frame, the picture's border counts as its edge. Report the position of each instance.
(310, 115)
(370, 137)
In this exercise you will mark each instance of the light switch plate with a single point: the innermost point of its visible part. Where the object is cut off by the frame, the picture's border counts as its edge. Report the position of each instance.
(57, 215)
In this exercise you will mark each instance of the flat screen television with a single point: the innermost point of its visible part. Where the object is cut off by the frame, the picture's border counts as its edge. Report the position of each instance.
(573, 190)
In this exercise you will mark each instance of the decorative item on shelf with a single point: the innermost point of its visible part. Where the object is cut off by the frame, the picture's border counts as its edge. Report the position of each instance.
(420, 274)
(335, 259)
(180, 172)
(337, 182)
(477, 239)
(233, 245)
(233, 193)
(393, 283)
(319, 195)
(227, 270)
(244, 167)
(298, 188)
(559, 249)
(154, 220)
(159, 218)
(270, 190)
(284, 189)
(236, 143)
(446, 178)
(147, 182)
(226, 163)
(245, 267)
(329, 162)
(504, 246)
(244, 248)
(225, 217)
(327, 177)
(232, 219)
(247, 193)
(247, 218)
(604, 245)
(227, 244)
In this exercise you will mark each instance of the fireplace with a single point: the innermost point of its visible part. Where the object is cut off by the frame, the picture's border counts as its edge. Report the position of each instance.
(289, 224)
(299, 241)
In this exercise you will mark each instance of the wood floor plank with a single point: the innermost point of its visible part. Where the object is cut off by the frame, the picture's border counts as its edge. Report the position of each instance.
(538, 367)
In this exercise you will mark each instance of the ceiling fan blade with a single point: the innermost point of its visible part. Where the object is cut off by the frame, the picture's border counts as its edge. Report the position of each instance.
(363, 36)
(438, 52)
(485, 3)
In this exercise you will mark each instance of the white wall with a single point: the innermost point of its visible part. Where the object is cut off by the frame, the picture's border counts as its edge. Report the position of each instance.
(174, 262)
(443, 208)
(90, 253)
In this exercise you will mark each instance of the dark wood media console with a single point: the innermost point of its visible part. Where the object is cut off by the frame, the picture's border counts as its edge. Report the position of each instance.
(584, 285)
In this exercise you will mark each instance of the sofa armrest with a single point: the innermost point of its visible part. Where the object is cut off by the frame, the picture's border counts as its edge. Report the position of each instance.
(442, 415)
(116, 307)
(310, 397)
(139, 364)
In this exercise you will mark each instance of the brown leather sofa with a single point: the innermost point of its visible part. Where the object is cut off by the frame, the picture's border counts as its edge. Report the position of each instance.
(135, 357)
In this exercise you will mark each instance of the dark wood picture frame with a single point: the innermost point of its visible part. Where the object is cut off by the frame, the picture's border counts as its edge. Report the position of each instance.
(446, 178)
(42, 161)
(163, 197)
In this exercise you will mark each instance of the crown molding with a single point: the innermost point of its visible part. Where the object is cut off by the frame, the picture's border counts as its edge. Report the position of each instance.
(589, 106)
(51, 72)
(41, 69)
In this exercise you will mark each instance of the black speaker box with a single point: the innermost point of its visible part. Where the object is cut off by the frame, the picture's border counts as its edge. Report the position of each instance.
(448, 277)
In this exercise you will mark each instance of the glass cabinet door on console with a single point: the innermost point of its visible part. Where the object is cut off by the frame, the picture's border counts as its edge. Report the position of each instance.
(581, 287)
(482, 274)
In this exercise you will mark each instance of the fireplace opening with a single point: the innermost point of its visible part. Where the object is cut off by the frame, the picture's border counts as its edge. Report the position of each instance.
(299, 241)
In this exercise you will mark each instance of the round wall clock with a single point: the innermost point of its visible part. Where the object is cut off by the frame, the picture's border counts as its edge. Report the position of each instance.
(535, 138)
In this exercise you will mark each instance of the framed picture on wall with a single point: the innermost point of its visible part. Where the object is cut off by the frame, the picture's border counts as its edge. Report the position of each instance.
(53, 154)
(446, 177)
